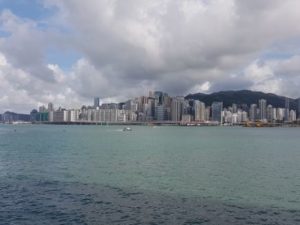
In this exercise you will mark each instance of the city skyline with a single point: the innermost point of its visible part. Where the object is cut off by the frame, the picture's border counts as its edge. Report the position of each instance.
(70, 51)
(97, 101)
(160, 107)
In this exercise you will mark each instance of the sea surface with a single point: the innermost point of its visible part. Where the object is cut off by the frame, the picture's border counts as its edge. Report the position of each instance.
(151, 175)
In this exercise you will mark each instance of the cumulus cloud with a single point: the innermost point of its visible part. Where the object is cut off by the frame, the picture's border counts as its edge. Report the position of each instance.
(130, 47)
(275, 76)
(25, 46)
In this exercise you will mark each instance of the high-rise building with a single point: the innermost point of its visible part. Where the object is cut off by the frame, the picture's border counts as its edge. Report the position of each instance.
(42, 108)
(245, 107)
(161, 113)
(244, 116)
(141, 103)
(292, 115)
(216, 111)
(58, 116)
(280, 114)
(96, 102)
(270, 113)
(262, 109)
(207, 113)
(253, 112)
(74, 115)
(188, 107)
(150, 109)
(158, 95)
(199, 110)
(287, 109)
(298, 107)
(50, 107)
(228, 115)
(162, 103)
(274, 114)
(234, 108)
(177, 108)
(131, 105)
(151, 94)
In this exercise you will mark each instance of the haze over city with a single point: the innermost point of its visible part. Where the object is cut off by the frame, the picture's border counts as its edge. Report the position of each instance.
(69, 51)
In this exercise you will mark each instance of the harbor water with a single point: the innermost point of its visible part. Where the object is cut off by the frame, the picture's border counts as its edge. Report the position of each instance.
(150, 175)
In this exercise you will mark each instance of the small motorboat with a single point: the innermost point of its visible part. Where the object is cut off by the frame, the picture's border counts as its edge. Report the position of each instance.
(127, 129)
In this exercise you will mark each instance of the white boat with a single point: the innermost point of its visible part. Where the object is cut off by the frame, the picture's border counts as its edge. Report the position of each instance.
(127, 129)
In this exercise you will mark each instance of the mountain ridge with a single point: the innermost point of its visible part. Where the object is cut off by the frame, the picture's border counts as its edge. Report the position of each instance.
(240, 97)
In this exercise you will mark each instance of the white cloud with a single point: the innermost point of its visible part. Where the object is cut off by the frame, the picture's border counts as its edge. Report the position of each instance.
(287, 67)
(279, 76)
(130, 47)
(201, 88)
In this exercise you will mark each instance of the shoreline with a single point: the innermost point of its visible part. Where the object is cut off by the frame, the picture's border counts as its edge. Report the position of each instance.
(162, 123)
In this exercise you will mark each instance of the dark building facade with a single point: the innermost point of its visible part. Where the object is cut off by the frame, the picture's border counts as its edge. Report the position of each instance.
(216, 111)
(287, 109)
(9, 117)
(298, 108)
(96, 102)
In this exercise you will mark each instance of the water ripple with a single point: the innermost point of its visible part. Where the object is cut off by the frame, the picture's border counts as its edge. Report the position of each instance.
(29, 202)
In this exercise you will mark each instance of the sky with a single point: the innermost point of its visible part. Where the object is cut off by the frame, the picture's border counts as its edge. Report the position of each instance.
(67, 52)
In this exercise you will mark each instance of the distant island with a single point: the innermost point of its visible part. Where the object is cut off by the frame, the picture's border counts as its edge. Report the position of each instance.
(244, 107)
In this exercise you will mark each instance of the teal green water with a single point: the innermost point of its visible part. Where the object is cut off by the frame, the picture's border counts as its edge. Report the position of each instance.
(259, 167)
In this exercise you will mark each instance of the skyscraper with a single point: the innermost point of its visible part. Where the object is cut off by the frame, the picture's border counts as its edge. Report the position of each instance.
(298, 107)
(253, 112)
(287, 109)
(199, 108)
(158, 95)
(96, 102)
(207, 113)
(177, 108)
(216, 111)
(262, 109)
(50, 107)
(161, 113)
(292, 115)
(234, 108)
(270, 113)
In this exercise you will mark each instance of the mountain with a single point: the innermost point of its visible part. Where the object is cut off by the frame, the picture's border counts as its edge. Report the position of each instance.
(242, 97)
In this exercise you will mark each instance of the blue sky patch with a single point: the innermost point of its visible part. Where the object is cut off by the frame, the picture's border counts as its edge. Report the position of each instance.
(4, 33)
(64, 58)
(282, 50)
(32, 9)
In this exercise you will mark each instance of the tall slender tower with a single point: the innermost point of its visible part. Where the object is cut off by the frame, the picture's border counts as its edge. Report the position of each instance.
(298, 107)
(262, 109)
(96, 102)
(287, 109)
(199, 108)
(50, 107)
(253, 112)
(177, 108)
